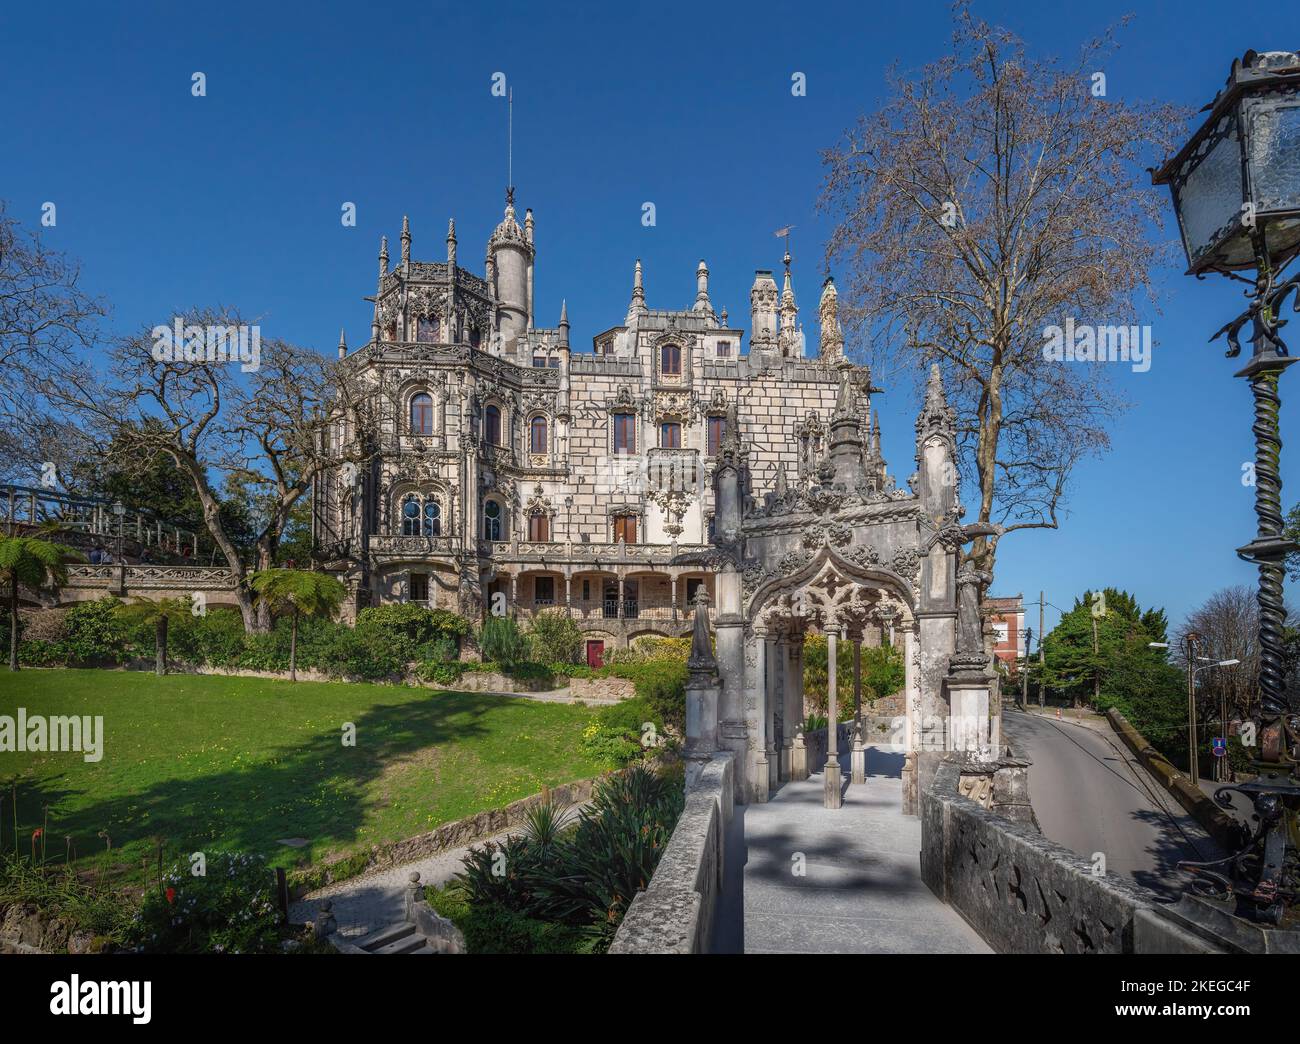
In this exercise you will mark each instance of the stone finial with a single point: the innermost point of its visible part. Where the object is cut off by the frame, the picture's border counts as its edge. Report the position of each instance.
(564, 324)
(528, 224)
(702, 288)
(782, 484)
(406, 240)
(451, 243)
(383, 256)
(936, 416)
(343, 344)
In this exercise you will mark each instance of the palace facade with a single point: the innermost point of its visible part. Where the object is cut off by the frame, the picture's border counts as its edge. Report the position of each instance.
(505, 469)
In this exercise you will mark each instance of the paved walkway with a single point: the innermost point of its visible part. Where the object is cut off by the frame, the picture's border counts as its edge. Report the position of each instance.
(862, 890)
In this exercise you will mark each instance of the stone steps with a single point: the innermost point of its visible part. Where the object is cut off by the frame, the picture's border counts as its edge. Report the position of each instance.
(396, 938)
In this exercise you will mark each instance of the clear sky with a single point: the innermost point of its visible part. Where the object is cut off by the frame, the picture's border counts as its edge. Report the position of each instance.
(234, 198)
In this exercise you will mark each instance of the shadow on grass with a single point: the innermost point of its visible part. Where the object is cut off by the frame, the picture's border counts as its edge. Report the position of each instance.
(316, 791)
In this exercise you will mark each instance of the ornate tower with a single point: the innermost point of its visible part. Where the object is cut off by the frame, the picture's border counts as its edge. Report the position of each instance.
(510, 255)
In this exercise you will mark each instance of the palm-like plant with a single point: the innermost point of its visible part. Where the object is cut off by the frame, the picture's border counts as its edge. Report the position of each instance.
(159, 612)
(34, 563)
(297, 591)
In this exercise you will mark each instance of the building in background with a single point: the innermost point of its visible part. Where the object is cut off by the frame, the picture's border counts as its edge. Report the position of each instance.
(1007, 617)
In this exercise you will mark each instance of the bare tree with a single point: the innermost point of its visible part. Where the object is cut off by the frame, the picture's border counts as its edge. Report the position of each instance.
(1227, 628)
(993, 197)
(265, 428)
(46, 319)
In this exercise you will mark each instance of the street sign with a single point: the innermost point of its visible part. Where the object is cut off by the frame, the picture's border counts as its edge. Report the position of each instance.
(1220, 746)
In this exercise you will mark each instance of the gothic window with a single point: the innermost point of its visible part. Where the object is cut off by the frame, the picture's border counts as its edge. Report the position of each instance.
(426, 329)
(432, 518)
(625, 529)
(411, 515)
(553, 363)
(537, 435)
(390, 331)
(625, 433)
(492, 426)
(717, 429)
(422, 414)
(670, 435)
(491, 520)
(475, 338)
(670, 359)
(539, 528)
(539, 362)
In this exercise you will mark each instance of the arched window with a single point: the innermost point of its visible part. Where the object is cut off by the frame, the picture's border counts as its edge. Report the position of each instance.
(492, 426)
(491, 520)
(539, 527)
(432, 518)
(422, 414)
(670, 359)
(411, 515)
(537, 435)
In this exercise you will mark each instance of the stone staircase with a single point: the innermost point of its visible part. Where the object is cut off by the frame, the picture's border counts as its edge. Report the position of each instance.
(396, 938)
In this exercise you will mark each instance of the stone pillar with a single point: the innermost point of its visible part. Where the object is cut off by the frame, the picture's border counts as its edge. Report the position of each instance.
(831, 797)
(514, 593)
(771, 705)
(857, 677)
(619, 608)
(858, 756)
(729, 631)
(799, 757)
(568, 595)
(789, 722)
(702, 692)
(672, 584)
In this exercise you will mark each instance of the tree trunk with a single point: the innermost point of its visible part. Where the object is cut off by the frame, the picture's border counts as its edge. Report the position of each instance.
(13, 621)
(293, 649)
(160, 646)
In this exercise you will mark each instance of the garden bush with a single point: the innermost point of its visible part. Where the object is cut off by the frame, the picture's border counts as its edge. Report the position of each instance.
(554, 637)
(229, 909)
(502, 641)
(618, 735)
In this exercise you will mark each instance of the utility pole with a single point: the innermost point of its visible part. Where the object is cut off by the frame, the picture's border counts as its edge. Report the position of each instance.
(1192, 768)
(1024, 681)
(1042, 674)
(1096, 669)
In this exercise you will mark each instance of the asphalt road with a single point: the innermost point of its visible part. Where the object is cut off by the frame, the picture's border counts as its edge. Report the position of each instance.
(1091, 796)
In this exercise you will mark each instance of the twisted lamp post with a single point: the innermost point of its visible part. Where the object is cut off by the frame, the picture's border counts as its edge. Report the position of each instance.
(1236, 192)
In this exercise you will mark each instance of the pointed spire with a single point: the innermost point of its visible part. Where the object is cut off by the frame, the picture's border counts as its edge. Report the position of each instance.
(564, 323)
(936, 416)
(782, 484)
(828, 311)
(343, 344)
(702, 288)
(875, 436)
(451, 242)
(406, 240)
(638, 290)
(528, 224)
(383, 256)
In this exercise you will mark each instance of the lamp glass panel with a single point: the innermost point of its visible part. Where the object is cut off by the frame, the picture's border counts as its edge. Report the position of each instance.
(1211, 197)
(1274, 156)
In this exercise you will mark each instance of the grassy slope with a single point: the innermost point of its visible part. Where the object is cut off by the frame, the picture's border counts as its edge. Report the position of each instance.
(215, 762)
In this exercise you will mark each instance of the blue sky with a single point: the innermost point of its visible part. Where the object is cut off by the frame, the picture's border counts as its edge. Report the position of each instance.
(234, 198)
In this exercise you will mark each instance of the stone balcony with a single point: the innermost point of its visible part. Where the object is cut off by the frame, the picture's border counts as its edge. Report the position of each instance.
(559, 553)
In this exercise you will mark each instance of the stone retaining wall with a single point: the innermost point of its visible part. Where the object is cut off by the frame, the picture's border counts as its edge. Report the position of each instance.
(1225, 830)
(455, 834)
(1021, 892)
(601, 688)
(675, 913)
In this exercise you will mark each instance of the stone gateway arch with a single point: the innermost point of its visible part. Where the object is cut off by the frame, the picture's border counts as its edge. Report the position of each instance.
(839, 549)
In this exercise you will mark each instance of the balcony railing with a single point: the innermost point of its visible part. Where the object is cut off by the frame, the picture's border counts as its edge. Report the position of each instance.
(396, 544)
(673, 470)
(658, 609)
(617, 553)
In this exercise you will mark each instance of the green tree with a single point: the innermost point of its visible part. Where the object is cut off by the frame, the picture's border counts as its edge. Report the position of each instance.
(555, 638)
(159, 613)
(299, 592)
(35, 563)
(1121, 670)
(502, 641)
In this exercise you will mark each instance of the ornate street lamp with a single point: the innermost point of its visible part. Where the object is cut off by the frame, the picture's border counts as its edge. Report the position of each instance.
(1236, 191)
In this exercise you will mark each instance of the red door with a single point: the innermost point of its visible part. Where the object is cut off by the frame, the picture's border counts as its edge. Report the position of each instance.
(595, 654)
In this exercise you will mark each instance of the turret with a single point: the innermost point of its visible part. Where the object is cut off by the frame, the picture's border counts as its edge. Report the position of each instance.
(511, 257)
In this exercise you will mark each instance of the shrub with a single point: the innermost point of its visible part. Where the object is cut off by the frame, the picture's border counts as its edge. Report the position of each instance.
(440, 673)
(230, 909)
(412, 631)
(555, 637)
(502, 640)
(92, 632)
(491, 928)
(618, 735)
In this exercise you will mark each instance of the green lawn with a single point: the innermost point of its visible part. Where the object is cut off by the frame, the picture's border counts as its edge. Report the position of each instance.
(208, 762)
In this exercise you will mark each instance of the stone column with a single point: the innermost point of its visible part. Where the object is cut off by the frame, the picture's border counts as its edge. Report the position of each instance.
(702, 692)
(618, 610)
(514, 593)
(789, 723)
(568, 594)
(772, 688)
(672, 584)
(729, 629)
(857, 677)
(833, 778)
